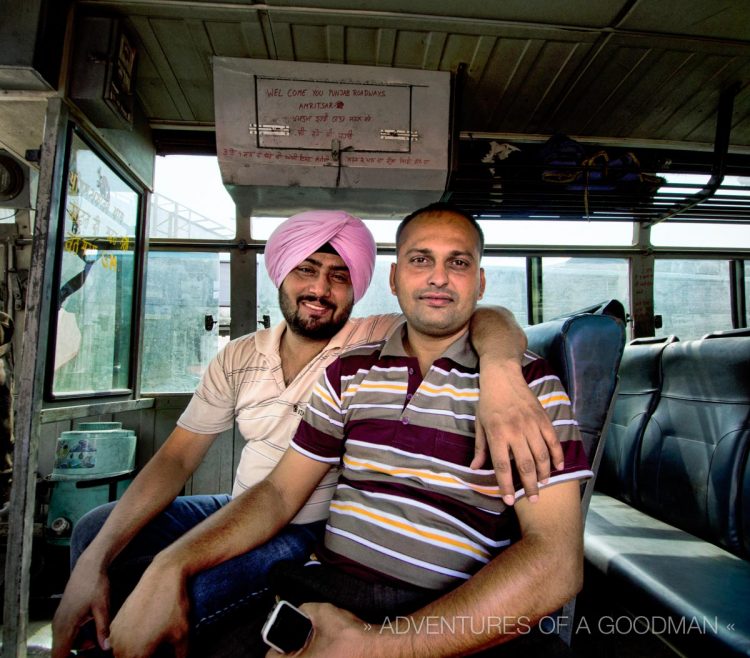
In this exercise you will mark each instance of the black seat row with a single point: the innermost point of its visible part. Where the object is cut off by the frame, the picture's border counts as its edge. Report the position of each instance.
(669, 526)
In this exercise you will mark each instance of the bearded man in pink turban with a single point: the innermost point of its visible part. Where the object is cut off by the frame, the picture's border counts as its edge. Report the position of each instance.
(298, 247)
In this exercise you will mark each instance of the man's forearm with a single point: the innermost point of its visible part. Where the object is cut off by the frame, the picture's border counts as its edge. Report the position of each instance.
(247, 521)
(495, 333)
(504, 600)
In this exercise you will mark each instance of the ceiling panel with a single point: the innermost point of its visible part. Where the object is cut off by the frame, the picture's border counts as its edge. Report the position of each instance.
(617, 69)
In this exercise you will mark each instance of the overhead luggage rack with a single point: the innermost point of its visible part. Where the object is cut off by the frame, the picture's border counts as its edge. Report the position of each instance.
(664, 185)
(566, 179)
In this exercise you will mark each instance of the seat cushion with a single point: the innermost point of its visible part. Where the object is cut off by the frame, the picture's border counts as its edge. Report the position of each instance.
(585, 351)
(663, 570)
(696, 442)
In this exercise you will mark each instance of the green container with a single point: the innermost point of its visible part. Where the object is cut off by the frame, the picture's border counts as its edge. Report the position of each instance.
(95, 451)
(68, 504)
(99, 425)
(94, 454)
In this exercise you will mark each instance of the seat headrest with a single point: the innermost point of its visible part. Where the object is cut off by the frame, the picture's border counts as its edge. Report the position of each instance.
(585, 351)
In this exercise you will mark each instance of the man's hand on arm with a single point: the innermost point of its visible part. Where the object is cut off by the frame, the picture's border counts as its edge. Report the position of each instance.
(86, 595)
(510, 420)
(155, 613)
(158, 606)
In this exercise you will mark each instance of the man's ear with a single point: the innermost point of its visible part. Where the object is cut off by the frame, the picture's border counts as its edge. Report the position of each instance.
(392, 278)
(482, 283)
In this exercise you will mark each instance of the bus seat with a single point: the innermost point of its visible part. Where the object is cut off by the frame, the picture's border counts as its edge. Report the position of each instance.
(688, 472)
(728, 333)
(637, 395)
(680, 550)
(585, 351)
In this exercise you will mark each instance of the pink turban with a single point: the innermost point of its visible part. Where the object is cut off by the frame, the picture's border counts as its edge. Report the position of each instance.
(303, 234)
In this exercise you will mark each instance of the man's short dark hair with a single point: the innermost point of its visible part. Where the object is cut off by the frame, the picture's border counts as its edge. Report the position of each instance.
(437, 207)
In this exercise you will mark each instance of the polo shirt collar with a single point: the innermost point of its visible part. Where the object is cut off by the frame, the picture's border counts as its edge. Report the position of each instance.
(459, 351)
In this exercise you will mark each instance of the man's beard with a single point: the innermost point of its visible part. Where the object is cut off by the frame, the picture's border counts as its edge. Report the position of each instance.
(313, 328)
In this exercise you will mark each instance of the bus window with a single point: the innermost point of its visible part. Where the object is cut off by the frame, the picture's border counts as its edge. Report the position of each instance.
(506, 285)
(186, 314)
(556, 231)
(383, 230)
(96, 277)
(572, 283)
(190, 201)
(692, 296)
(183, 289)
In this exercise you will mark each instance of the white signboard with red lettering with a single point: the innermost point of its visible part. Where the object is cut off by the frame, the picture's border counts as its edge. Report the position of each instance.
(331, 126)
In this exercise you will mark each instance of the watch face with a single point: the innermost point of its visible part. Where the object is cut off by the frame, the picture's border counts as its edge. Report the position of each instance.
(11, 178)
(287, 629)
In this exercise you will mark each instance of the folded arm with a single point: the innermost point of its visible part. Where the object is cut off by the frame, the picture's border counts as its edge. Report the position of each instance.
(509, 419)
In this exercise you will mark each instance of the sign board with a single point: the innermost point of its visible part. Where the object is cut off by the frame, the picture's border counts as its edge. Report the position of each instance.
(331, 126)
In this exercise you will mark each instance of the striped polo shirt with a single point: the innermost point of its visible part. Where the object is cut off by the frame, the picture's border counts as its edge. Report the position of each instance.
(407, 507)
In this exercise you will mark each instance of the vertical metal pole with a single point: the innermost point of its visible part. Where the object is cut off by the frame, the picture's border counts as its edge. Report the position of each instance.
(534, 290)
(737, 287)
(642, 285)
(243, 284)
(30, 383)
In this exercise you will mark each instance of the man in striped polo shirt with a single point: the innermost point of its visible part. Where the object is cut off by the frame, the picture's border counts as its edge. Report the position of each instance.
(408, 510)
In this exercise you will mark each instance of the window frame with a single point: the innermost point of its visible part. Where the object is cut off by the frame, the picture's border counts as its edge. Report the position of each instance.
(76, 130)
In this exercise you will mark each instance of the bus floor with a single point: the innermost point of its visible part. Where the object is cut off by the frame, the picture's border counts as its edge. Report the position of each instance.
(38, 639)
(47, 578)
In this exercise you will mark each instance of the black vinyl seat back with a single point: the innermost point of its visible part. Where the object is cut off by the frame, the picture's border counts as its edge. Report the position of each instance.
(585, 352)
(637, 395)
(695, 445)
(745, 508)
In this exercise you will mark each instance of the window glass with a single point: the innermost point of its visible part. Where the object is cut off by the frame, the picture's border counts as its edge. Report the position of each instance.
(183, 289)
(499, 231)
(190, 201)
(570, 284)
(598, 231)
(506, 285)
(96, 273)
(686, 234)
(692, 296)
(747, 292)
(383, 230)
